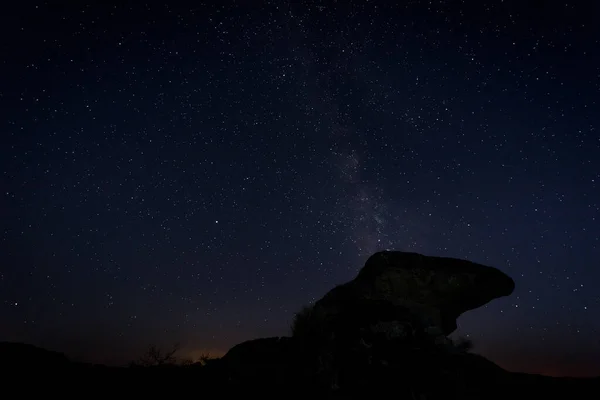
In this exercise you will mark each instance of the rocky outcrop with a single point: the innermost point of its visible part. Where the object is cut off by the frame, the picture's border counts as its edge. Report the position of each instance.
(267, 350)
(262, 363)
(390, 323)
(437, 289)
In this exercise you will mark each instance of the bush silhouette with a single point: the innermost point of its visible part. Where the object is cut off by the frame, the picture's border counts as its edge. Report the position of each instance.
(301, 324)
(463, 345)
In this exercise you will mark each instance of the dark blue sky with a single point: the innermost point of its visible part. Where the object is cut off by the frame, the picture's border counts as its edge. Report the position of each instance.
(197, 174)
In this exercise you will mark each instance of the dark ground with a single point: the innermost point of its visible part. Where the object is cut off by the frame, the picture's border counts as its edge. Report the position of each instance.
(25, 363)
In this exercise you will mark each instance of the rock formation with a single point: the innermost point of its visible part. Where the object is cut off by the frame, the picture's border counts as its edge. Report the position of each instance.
(437, 289)
(389, 322)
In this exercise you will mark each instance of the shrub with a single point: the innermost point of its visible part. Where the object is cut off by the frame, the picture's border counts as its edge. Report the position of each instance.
(301, 324)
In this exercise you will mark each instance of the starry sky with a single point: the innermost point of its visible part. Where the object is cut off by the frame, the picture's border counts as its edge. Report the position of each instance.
(196, 174)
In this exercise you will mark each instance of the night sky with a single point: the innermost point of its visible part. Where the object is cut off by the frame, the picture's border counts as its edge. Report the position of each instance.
(197, 174)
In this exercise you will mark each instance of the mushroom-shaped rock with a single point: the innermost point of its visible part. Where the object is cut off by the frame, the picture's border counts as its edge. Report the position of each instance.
(438, 289)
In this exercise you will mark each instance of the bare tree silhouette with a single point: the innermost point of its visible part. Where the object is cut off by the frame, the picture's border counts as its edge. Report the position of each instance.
(154, 356)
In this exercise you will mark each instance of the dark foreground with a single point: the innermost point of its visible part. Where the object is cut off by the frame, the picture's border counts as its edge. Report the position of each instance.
(479, 379)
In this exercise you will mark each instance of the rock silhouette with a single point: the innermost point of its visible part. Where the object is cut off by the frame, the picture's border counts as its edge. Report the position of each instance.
(391, 321)
(436, 289)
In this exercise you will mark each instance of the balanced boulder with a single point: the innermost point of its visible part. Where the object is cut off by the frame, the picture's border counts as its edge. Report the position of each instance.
(438, 289)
